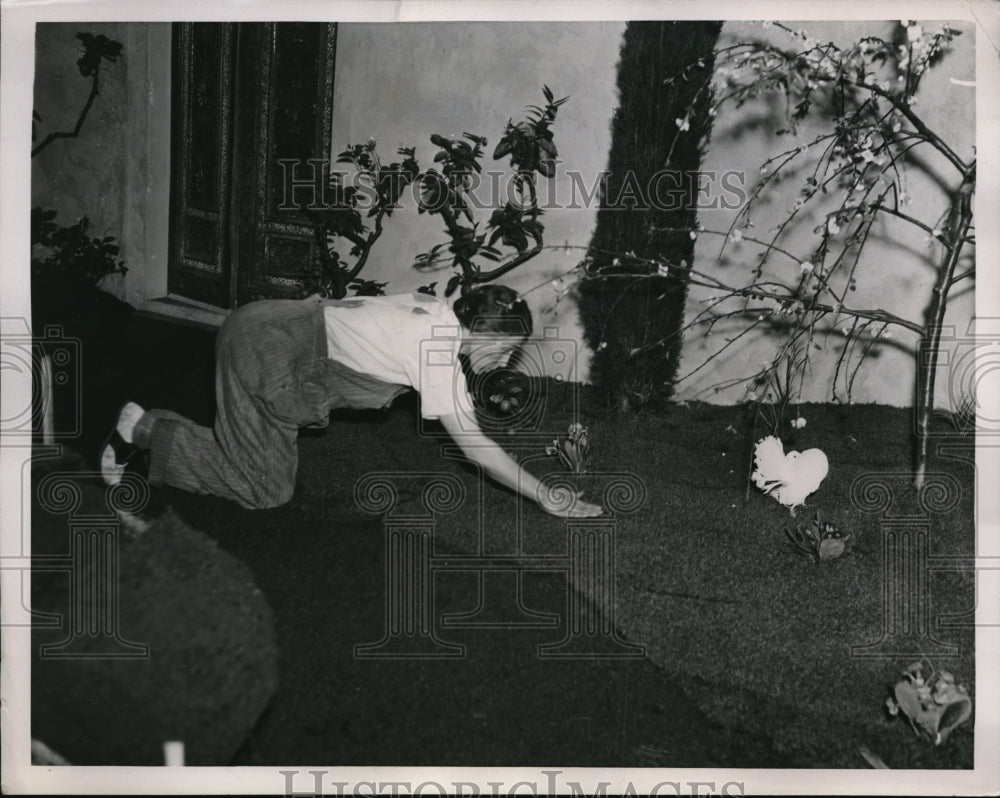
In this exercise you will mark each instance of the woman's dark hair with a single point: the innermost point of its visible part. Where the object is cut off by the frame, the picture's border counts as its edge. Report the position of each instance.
(494, 309)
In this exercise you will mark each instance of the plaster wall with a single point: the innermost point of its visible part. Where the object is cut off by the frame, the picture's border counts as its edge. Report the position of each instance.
(400, 83)
(116, 172)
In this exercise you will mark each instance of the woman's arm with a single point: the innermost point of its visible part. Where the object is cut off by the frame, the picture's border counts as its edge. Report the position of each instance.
(502, 467)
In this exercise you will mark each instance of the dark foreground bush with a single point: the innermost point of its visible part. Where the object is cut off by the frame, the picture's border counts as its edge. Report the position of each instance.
(212, 664)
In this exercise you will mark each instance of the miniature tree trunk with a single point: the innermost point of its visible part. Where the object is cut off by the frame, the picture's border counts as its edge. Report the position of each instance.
(928, 350)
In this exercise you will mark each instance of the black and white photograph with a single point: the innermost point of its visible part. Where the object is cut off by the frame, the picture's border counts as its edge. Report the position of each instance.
(499, 398)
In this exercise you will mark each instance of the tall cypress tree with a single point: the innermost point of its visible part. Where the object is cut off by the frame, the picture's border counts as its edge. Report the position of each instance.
(659, 132)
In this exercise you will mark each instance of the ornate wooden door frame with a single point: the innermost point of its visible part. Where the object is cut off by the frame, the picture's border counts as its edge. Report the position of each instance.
(247, 96)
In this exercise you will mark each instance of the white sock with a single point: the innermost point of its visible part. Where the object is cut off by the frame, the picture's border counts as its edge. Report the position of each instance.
(127, 419)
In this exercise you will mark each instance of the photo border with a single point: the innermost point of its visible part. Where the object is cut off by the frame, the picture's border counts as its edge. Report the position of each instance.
(17, 70)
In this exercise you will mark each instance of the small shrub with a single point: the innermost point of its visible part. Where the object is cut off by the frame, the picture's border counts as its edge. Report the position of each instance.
(72, 251)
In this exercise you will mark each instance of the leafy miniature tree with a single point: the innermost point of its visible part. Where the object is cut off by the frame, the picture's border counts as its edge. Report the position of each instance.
(371, 194)
(530, 147)
(372, 187)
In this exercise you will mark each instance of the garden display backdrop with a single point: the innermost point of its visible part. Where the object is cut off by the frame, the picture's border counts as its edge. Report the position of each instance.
(840, 632)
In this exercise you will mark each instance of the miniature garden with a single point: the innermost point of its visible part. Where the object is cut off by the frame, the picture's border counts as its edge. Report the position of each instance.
(794, 574)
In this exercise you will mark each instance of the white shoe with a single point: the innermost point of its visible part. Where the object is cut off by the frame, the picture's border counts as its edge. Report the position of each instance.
(119, 450)
(128, 417)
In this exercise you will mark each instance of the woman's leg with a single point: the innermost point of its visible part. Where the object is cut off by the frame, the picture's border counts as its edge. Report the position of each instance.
(256, 469)
(266, 353)
(250, 455)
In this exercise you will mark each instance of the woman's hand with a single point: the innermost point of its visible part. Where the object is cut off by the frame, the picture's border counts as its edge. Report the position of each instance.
(556, 498)
(566, 502)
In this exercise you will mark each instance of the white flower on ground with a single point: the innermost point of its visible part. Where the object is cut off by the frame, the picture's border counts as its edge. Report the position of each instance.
(798, 422)
(683, 124)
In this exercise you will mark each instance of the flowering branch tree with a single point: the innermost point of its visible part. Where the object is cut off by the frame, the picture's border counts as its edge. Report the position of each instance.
(854, 172)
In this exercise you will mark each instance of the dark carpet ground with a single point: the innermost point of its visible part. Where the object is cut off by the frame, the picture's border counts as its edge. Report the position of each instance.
(747, 644)
(321, 569)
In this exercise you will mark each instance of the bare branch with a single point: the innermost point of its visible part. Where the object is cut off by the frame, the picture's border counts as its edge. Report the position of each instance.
(59, 134)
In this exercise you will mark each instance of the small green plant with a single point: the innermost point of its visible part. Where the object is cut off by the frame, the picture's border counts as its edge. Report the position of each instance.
(71, 251)
(934, 705)
(573, 451)
(819, 540)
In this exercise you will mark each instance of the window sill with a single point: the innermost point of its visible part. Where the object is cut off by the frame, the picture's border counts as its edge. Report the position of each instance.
(184, 309)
